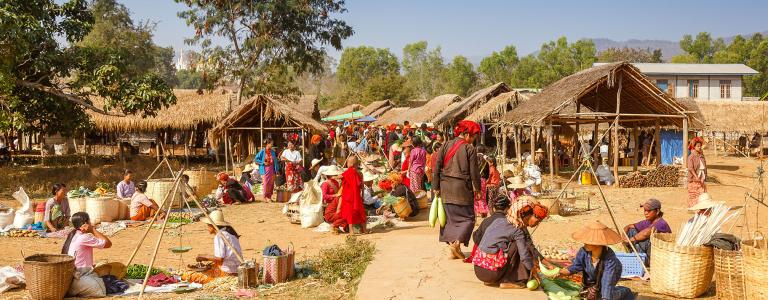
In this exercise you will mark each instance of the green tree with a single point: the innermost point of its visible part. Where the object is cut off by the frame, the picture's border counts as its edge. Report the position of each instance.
(362, 70)
(702, 49)
(189, 79)
(267, 42)
(459, 76)
(559, 59)
(47, 78)
(499, 66)
(422, 68)
(633, 55)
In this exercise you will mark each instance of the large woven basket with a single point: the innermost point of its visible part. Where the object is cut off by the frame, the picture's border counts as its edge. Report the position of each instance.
(158, 188)
(76, 205)
(279, 269)
(423, 200)
(48, 276)
(402, 208)
(202, 182)
(755, 268)
(729, 274)
(102, 209)
(124, 209)
(680, 271)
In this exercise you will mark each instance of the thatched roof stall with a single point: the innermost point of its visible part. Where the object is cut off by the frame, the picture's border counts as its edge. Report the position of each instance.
(307, 104)
(390, 116)
(345, 110)
(324, 112)
(381, 111)
(612, 93)
(461, 109)
(745, 117)
(260, 114)
(191, 109)
(375, 106)
(498, 106)
(425, 113)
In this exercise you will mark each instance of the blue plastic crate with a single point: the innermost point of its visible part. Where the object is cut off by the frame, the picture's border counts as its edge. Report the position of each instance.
(630, 267)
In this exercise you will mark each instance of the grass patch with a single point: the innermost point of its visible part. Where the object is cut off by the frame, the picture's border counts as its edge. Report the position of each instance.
(344, 262)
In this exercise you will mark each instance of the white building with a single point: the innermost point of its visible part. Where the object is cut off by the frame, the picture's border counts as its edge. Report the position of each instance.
(698, 81)
(183, 62)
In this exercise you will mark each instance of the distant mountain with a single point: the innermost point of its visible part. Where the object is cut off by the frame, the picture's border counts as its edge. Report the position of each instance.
(668, 48)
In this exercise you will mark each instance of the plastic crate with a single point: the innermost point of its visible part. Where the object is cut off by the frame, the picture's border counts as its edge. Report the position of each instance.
(630, 266)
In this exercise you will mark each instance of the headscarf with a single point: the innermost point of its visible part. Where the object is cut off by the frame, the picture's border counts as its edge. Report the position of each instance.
(693, 142)
(522, 206)
(222, 176)
(466, 126)
(316, 139)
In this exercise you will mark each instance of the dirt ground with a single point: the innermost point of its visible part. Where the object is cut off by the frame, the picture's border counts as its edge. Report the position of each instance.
(410, 263)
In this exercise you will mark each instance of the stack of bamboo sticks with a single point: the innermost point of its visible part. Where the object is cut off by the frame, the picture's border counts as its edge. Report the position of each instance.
(700, 229)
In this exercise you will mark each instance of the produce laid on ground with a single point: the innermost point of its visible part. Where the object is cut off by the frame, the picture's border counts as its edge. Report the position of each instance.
(182, 217)
(221, 284)
(560, 289)
(137, 271)
(661, 176)
(23, 233)
(85, 192)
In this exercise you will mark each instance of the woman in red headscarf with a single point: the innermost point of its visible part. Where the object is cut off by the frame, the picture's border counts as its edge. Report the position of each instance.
(697, 171)
(234, 193)
(456, 178)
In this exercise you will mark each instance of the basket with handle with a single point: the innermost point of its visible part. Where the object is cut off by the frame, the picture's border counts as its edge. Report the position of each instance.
(680, 271)
(279, 268)
(48, 276)
(102, 209)
(402, 208)
(729, 274)
(755, 267)
(202, 181)
(158, 188)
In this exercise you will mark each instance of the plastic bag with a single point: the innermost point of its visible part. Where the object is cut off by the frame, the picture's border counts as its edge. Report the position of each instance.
(311, 205)
(87, 284)
(10, 278)
(21, 196)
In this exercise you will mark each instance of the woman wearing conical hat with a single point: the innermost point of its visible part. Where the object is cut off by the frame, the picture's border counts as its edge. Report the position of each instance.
(598, 264)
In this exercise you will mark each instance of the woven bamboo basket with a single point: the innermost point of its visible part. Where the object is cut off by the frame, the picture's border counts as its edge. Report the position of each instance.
(402, 208)
(123, 208)
(48, 276)
(158, 188)
(729, 274)
(102, 209)
(755, 268)
(422, 199)
(202, 182)
(680, 271)
(76, 204)
(279, 269)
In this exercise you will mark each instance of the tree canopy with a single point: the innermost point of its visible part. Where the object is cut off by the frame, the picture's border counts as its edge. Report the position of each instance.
(369, 74)
(422, 69)
(267, 42)
(633, 55)
(49, 72)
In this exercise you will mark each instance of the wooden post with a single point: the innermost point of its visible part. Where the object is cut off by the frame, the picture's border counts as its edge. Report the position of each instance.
(550, 149)
(518, 145)
(616, 133)
(713, 136)
(576, 139)
(85, 149)
(503, 146)
(637, 145)
(656, 144)
(226, 153)
(261, 124)
(533, 142)
(685, 146)
(157, 147)
(304, 148)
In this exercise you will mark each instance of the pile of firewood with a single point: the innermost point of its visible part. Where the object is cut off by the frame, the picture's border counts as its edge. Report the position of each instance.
(662, 176)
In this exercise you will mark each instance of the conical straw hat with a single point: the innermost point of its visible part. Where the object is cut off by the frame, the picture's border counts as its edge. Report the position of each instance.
(596, 233)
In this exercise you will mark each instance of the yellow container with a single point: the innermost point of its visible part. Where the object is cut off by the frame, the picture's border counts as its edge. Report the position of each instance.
(586, 178)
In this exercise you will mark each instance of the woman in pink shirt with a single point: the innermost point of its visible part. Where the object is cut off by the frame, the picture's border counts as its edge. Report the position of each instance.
(81, 241)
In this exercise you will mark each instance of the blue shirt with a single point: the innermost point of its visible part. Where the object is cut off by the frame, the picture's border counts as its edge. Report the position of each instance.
(362, 146)
(261, 156)
(611, 270)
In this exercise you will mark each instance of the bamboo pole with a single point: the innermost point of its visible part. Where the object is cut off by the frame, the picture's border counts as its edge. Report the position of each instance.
(207, 215)
(657, 144)
(226, 153)
(616, 133)
(154, 218)
(635, 141)
(518, 144)
(261, 124)
(160, 236)
(533, 142)
(685, 147)
(576, 144)
(85, 149)
(550, 149)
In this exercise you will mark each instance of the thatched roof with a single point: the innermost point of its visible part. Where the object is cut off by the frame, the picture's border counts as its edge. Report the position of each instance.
(428, 111)
(596, 88)
(729, 115)
(190, 110)
(381, 111)
(276, 114)
(463, 108)
(308, 105)
(345, 110)
(390, 116)
(498, 106)
(375, 106)
(324, 112)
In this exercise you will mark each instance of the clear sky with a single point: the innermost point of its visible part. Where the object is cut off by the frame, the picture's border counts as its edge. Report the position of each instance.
(476, 28)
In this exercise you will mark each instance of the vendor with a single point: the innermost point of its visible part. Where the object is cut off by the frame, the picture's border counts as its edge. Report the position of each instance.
(56, 215)
(517, 188)
(399, 189)
(506, 253)
(126, 188)
(704, 205)
(598, 264)
(81, 241)
(532, 172)
(314, 168)
(292, 159)
(604, 173)
(370, 200)
(332, 215)
(330, 187)
(245, 177)
(233, 191)
(640, 233)
(143, 208)
(500, 207)
(225, 255)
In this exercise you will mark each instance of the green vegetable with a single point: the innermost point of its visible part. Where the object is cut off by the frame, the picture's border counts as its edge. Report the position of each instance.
(532, 285)
(433, 213)
(547, 272)
(560, 288)
(441, 212)
(136, 271)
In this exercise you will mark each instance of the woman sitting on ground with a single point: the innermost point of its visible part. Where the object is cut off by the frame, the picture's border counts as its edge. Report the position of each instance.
(506, 253)
(225, 255)
(143, 208)
(56, 215)
(598, 264)
(399, 189)
(500, 207)
(81, 241)
(233, 191)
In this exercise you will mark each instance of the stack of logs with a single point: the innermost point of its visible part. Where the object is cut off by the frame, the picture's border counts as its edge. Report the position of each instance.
(662, 176)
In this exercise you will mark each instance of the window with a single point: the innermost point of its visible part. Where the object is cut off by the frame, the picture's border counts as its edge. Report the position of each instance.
(725, 89)
(693, 88)
(666, 86)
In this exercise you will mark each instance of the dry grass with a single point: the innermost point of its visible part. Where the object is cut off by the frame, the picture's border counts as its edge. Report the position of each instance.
(729, 115)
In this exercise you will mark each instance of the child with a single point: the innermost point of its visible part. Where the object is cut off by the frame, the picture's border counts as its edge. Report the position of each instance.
(81, 241)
